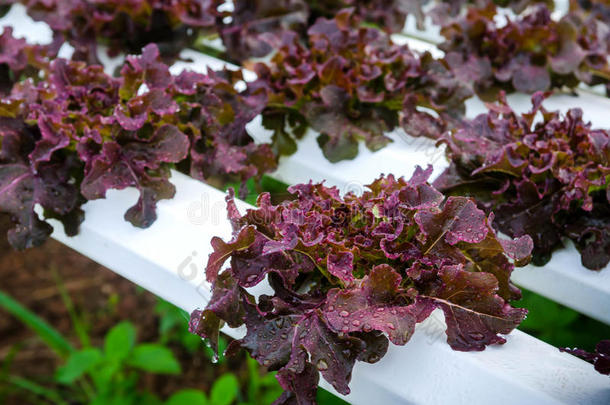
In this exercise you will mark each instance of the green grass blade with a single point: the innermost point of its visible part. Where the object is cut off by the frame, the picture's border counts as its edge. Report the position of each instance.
(79, 326)
(36, 389)
(45, 331)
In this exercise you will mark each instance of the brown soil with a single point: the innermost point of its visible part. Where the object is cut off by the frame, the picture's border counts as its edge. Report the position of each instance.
(101, 298)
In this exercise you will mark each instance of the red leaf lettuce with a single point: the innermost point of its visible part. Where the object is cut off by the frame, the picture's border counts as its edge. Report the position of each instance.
(125, 25)
(352, 83)
(20, 60)
(546, 179)
(256, 27)
(349, 273)
(531, 53)
(80, 132)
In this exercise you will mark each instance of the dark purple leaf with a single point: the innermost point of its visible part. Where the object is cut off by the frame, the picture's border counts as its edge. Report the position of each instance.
(544, 179)
(600, 358)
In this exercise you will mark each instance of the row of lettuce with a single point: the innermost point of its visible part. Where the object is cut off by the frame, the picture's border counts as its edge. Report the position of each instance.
(70, 131)
(491, 51)
(349, 273)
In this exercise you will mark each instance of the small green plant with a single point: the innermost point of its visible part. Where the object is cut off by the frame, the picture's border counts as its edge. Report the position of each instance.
(114, 370)
(94, 375)
(225, 391)
(172, 321)
(109, 374)
(173, 328)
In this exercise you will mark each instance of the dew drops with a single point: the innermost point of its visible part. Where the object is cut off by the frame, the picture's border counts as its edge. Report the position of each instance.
(344, 314)
(331, 308)
(322, 365)
(356, 323)
(367, 327)
(476, 336)
(391, 326)
(345, 329)
(251, 278)
(380, 309)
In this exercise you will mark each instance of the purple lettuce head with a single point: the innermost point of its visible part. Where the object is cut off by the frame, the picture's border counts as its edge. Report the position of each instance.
(80, 132)
(531, 53)
(600, 9)
(20, 60)
(255, 28)
(352, 83)
(351, 274)
(446, 11)
(34, 169)
(125, 25)
(545, 179)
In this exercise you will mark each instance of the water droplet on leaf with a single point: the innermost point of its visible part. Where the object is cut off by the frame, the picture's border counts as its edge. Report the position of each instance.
(322, 365)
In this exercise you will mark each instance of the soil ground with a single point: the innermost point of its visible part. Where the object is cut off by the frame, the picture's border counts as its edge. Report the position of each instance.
(101, 297)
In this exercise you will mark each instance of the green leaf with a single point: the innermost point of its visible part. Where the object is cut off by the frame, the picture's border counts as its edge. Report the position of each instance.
(154, 358)
(170, 317)
(46, 332)
(325, 397)
(225, 390)
(118, 399)
(187, 397)
(222, 345)
(78, 364)
(102, 376)
(148, 398)
(119, 341)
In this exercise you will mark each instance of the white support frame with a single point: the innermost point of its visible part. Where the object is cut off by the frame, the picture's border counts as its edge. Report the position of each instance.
(167, 259)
